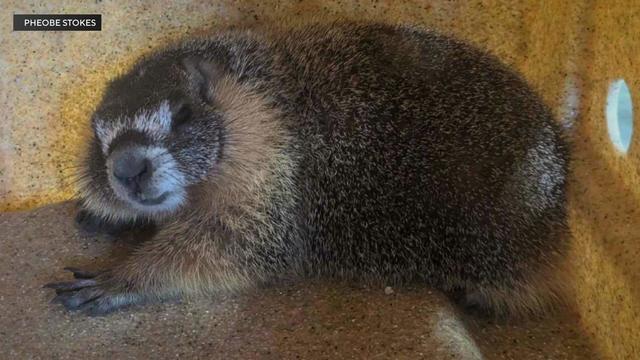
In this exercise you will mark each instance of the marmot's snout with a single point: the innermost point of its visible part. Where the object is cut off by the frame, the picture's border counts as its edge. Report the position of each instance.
(144, 175)
(134, 172)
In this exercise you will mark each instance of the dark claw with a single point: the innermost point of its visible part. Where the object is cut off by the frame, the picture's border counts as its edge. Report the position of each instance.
(82, 274)
(65, 286)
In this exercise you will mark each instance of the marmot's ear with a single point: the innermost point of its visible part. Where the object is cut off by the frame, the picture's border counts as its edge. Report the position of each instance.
(202, 75)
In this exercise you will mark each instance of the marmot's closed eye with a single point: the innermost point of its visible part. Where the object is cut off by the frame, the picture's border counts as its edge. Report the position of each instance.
(354, 150)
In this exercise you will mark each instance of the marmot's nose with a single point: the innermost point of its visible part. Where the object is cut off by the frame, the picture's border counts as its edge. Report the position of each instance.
(131, 169)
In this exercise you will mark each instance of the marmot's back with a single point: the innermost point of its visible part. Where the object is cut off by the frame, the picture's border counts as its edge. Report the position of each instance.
(424, 158)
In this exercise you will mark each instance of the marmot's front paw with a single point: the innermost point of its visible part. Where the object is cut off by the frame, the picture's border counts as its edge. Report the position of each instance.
(94, 293)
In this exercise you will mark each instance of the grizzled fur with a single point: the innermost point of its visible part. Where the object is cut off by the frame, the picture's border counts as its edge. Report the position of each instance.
(351, 150)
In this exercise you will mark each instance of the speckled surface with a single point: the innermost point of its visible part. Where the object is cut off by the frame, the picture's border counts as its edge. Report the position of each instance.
(569, 51)
(606, 187)
(313, 320)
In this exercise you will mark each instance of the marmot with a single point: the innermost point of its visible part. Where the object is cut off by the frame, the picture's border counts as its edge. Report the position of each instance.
(360, 151)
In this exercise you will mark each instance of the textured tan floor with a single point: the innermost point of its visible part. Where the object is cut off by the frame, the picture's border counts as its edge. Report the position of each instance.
(286, 321)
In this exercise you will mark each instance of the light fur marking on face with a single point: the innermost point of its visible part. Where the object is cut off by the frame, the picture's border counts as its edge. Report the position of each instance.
(154, 123)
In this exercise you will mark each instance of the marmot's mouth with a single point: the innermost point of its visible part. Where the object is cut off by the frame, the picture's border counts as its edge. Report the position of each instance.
(152, 201)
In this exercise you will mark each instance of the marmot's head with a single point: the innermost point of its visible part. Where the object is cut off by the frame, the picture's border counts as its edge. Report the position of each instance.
(156, 132)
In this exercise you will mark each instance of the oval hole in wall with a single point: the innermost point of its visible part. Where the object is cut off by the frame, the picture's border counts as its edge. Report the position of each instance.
(620, 115)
